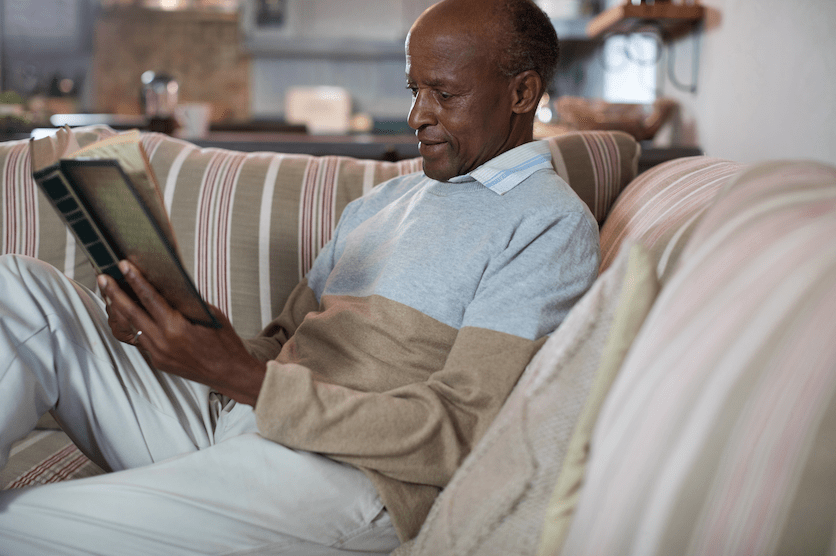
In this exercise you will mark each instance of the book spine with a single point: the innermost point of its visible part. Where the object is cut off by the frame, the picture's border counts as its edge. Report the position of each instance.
(57, 189)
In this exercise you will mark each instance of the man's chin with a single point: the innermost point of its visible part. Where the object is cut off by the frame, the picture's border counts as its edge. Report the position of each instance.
(437, 172)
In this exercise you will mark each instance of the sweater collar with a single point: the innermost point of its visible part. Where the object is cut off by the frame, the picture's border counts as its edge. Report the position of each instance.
(503, 173)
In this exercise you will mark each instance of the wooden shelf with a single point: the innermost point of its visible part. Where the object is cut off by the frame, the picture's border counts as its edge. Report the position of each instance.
(674, 19)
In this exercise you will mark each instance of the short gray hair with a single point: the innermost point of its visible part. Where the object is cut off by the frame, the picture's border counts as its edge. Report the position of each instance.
(532, 44)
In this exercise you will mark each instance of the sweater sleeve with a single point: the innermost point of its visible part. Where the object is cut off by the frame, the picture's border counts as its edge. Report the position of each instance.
(269, 342)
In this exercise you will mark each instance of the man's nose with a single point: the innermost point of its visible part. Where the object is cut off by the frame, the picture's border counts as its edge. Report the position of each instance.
(421, 112)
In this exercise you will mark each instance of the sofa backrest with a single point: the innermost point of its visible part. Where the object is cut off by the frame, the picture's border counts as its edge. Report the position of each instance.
(249, 225)
(662, 207)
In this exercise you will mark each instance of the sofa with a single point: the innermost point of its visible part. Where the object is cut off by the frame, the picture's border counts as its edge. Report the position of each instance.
(687, 404)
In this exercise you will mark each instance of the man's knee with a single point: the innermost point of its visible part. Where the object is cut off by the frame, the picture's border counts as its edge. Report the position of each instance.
(25, 280)
(21, 264)
(26, 269)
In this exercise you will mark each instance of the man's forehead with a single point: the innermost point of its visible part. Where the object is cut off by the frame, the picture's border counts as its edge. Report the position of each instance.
(444, 51)
(477, 23)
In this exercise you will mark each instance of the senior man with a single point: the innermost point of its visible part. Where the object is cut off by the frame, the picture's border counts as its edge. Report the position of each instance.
(335, 428)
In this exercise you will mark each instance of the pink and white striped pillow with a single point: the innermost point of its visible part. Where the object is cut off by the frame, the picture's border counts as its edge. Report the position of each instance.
(662, 207)
(718, 434)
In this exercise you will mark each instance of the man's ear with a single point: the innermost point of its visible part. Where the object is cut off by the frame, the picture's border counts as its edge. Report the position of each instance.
(527, 90)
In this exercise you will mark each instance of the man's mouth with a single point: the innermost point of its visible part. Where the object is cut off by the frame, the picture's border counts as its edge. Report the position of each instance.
(429, 148)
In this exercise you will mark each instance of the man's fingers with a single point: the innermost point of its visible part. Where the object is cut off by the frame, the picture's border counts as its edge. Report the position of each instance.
(134, 316)
(148, 296)
(116, 303)
(119, 324)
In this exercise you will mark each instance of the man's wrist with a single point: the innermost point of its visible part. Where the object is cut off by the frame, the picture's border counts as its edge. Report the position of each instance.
(247, 383)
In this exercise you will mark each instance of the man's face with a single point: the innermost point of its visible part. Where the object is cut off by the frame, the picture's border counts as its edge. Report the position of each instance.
(461, 104)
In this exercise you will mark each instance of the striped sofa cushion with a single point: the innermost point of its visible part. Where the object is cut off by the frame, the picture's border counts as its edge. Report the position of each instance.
(29, 224)
(249, 225)
(45, 456)
(662, 206)
(598, 165)
(718, 434)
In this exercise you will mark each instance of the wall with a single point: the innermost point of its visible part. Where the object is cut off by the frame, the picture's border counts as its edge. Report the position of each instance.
(355, 44)
(766, 86)
(200, 49)
(44, 41)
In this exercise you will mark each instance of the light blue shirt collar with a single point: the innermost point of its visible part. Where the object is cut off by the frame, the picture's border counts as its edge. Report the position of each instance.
(503, 173)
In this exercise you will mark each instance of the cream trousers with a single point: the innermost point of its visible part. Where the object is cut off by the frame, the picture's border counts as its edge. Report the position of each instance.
(190, 474)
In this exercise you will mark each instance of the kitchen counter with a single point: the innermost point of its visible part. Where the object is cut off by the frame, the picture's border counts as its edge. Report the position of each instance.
(379, 147)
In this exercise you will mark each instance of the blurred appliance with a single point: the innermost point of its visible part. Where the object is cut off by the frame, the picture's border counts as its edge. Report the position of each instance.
(322, 110)
(158, 99)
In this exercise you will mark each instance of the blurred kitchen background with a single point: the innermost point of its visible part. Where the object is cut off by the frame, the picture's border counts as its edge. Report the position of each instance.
(295, 74)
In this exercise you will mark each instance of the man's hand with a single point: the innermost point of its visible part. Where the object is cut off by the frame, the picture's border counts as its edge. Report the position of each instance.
(212, 356)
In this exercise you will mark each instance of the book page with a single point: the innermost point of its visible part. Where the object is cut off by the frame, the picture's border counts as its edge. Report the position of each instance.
(46, 151)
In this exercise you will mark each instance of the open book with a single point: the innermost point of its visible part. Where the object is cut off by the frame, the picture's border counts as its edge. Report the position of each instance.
(108, 196)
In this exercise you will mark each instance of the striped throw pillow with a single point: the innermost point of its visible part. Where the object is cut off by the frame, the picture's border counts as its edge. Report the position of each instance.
(662, 206)
(718, 434)
(597, 165)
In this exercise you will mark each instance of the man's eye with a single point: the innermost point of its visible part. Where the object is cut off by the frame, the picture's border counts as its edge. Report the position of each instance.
(444, 95)
(413, 89)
